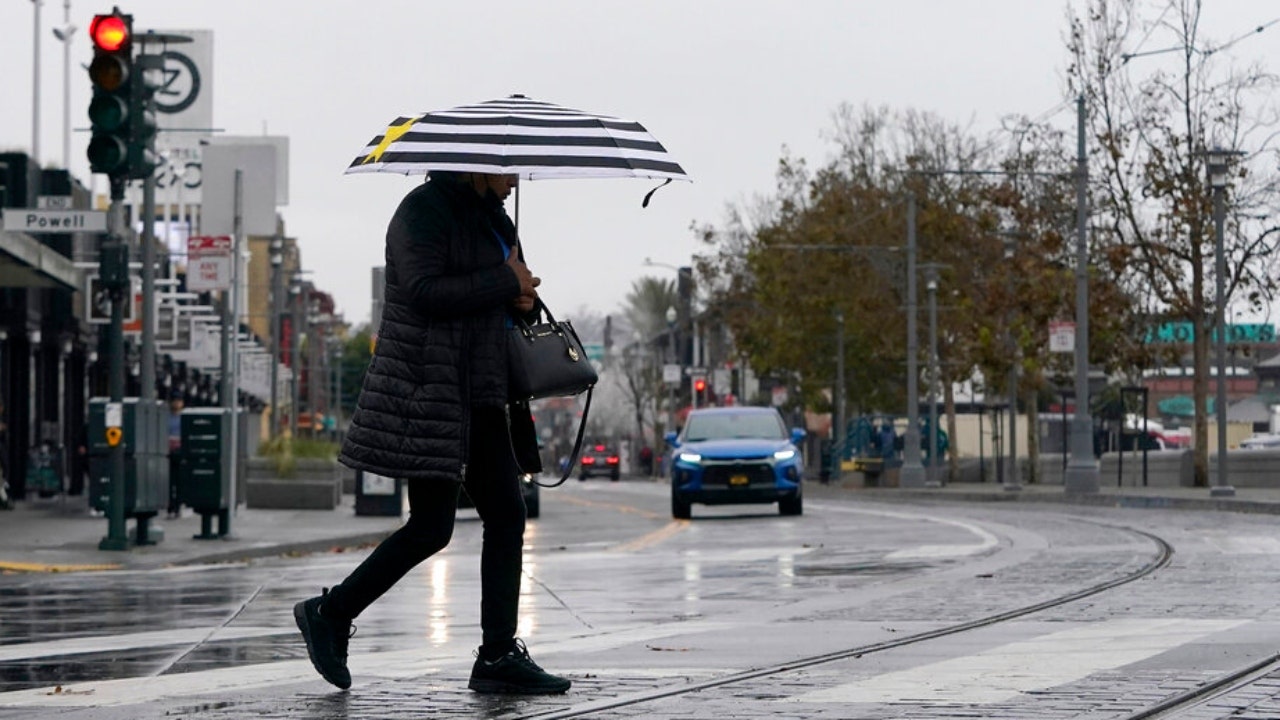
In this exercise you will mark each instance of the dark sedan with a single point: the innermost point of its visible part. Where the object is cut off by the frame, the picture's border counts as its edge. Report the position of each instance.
(599, 459)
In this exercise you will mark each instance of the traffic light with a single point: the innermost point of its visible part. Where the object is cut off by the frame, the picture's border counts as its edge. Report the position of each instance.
(142, 117)
(109, 112)
(700, 391)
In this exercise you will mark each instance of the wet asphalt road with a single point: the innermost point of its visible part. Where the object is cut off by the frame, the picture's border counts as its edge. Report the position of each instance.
(627, 602)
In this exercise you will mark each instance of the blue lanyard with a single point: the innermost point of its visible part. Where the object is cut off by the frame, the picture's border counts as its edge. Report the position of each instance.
(506, 249)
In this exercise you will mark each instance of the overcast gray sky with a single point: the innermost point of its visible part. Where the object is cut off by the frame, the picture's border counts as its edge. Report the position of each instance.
(723, 84)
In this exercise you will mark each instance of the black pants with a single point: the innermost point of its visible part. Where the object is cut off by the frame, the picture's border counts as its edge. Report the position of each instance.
(493, 483)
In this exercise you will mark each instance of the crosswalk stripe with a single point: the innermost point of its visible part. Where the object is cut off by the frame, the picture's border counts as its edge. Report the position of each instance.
(1003, 672)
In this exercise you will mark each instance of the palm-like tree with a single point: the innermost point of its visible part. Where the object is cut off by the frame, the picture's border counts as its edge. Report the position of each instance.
(647, 303)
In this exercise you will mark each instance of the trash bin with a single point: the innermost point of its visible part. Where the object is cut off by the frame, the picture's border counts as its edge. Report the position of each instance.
(204, 478)
(378, 495)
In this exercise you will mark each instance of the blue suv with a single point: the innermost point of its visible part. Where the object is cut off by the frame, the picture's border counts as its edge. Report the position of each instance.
(736, 455)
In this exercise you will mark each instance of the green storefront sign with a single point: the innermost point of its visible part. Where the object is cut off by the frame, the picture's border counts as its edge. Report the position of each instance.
(1184, 332)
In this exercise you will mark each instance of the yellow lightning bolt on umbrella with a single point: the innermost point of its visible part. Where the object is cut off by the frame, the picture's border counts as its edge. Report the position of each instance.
(392, 134)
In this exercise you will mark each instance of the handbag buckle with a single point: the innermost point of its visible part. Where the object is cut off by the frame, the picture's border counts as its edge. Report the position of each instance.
(573, 353)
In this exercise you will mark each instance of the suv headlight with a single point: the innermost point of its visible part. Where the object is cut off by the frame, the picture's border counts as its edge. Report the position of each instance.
(691, 458)
(783, 455)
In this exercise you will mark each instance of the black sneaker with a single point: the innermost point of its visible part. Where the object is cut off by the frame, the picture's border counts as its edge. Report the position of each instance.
(515, 673)
(326, 640)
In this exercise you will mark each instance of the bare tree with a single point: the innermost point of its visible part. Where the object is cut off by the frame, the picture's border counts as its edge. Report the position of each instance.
(1160, 94)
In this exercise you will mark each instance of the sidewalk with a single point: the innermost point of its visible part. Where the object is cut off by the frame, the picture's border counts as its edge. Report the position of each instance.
(61, 535)
(1247, 500)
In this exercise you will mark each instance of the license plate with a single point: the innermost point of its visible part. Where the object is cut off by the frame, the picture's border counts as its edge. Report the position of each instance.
(738, 480)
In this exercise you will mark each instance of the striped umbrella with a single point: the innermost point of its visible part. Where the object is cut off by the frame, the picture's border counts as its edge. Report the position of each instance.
(518, 136)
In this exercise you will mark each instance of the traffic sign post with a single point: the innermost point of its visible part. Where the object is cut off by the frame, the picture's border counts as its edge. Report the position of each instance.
(114, 275)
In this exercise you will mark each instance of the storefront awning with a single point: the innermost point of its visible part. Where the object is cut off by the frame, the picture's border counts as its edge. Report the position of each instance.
(25, 262)
(1182, 406)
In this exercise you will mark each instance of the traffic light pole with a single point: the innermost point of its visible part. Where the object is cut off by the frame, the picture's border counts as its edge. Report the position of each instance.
(113, 264)
(147, 381)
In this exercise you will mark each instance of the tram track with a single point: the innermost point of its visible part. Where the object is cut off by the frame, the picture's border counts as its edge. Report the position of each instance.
(1161, 558)
(1219, 687)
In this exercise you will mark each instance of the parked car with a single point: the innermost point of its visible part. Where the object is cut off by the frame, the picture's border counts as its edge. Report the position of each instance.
(599, 459)
(532, 505)
(1260, 442)
(736, 455)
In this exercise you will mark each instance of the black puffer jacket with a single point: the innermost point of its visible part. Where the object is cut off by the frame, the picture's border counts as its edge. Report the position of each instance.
(441, 345)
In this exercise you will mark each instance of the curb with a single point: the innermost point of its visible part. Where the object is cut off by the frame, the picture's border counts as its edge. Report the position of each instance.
(1152, 502)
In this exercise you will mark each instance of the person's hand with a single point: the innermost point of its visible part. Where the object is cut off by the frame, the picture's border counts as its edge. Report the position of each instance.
(526, 301)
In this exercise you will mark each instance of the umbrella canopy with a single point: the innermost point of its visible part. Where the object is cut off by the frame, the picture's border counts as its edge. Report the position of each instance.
(518, 136)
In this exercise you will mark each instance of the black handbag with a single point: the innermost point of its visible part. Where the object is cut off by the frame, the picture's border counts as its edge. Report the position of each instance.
(547, 360)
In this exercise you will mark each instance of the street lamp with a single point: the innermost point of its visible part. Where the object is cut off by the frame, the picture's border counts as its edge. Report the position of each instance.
(277, 260)
(671, 316)
(839, 433)
(912, 473)
(1217, 161)
(35, 85)
(65, 34)
(931, 286)
(1013, 481)
(1081, 474)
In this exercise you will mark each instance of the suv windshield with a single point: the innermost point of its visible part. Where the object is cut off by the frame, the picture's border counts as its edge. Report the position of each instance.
(723, 426)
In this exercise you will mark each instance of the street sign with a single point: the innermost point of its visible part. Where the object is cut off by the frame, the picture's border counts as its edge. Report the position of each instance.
(1062, 337)
(209, 262)
(671, 373)
(594, 350)
(54, 202)
(54, 221)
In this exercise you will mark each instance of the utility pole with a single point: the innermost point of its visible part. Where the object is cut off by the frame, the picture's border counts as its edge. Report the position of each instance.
(35, 84)
(65, 34)
(228, 389)
(114, 273)
(1218, 161)
(1081, 475)
(913, 473)
(295, 296)
(1014, 483)
(277, 262)
(839, 434)
(931, 285)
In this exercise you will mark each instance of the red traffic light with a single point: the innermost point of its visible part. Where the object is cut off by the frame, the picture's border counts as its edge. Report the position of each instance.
(699, 384)
(109, 32)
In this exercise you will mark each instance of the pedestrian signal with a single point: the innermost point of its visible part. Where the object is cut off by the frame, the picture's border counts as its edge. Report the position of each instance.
(114, 435)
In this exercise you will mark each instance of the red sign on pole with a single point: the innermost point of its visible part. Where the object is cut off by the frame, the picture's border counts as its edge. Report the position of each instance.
(209, 262)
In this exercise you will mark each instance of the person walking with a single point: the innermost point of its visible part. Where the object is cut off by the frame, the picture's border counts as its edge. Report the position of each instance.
(434, 410)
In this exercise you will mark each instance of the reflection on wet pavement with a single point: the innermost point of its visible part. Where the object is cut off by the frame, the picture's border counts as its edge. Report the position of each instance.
(152, 622)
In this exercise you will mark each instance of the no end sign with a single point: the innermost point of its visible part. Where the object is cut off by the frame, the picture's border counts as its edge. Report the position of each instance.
(208, 262)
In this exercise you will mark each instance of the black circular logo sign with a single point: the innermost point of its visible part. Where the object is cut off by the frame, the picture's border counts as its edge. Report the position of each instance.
(181, 84)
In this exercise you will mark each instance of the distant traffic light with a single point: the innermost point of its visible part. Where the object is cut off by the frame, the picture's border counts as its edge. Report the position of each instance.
(109, 112)
(699, 391)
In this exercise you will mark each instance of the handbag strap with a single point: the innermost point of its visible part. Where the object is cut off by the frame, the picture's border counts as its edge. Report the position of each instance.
(538, 306)
(577, 445)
